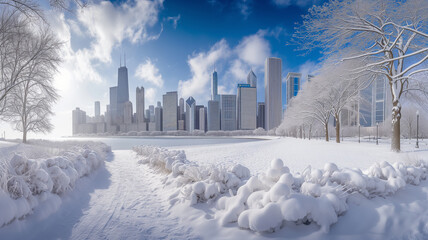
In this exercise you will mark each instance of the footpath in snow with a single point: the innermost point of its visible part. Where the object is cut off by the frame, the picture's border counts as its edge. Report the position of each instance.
(119, 201)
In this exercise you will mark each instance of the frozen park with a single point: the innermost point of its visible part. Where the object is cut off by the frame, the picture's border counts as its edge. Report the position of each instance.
(265, 188)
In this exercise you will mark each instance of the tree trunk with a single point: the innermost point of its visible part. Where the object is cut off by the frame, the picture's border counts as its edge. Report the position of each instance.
(396, 117)
(310, 132)
(337, 129)
(326, 132)
(24, 136)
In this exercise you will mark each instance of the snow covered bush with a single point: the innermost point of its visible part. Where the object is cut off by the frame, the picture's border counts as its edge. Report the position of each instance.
(25, 182)
(267, 201)
(196, 183)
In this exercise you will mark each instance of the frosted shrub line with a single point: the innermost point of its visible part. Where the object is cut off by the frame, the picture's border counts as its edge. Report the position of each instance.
(25, 182)
(197, 183)
(264, 203)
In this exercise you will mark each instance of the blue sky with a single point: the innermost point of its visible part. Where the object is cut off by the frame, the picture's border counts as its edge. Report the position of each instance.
(171, 45)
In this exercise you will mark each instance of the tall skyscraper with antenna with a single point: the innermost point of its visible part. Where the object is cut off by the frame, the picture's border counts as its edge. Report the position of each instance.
(122, 90)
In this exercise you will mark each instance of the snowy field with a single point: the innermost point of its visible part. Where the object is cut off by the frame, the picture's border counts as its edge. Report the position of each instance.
(236, 191)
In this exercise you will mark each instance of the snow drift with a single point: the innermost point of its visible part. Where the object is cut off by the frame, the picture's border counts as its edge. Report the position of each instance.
(198, 183)
(268, 201)
(26, 182)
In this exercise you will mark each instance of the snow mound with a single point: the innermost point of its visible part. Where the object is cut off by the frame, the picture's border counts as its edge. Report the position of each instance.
(197, 183)
(27, 182)
(267, 201)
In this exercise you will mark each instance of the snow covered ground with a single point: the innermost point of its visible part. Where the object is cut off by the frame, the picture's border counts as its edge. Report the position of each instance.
(134, 197)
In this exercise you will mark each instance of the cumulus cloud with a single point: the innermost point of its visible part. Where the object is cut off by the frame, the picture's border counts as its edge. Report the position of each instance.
(150, 96)
(201, 65)
(254, 49)
(109, 25)
(149, 73)
(251, 52)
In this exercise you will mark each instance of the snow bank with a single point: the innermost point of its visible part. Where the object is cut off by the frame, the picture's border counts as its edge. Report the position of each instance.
(269, 200)
(25, 182)
(197, 183)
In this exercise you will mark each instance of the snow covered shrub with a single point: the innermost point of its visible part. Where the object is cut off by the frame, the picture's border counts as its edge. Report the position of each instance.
(198, 183)
(26, 182)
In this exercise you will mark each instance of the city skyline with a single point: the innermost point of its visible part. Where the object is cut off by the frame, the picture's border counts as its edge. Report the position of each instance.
(94, 46)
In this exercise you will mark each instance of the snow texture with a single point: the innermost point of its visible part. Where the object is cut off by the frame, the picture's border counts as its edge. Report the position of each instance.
(26, 182)
(265, 202)
(198, 183)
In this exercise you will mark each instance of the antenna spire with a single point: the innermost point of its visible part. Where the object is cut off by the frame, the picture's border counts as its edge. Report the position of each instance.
(125, 58)
(120, 62)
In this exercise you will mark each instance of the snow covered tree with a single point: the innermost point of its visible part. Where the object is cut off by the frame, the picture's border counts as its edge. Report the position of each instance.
(390, 35)
(29, 102)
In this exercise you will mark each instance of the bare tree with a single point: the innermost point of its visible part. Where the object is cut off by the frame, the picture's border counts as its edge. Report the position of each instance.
(392, 35)
(29, 105)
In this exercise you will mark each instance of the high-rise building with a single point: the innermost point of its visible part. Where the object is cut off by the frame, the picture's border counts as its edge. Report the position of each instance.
(246, 101)
(140, 105)
(197, 123)
(293, 85)
(158, 118)
(127, 113)
(147, 115)
(97, 109)
(78, 117)
(181, 109)
(213, 121)
(273, 92)
(122, 92)
(159, 104)
(202, 119)
(310, 77)
(190, 114)
(152, 113)
(261, 115)
(214, 83)
(252, 79)
(375, 103)
(113, 105)
(228, 112)
(170, 104)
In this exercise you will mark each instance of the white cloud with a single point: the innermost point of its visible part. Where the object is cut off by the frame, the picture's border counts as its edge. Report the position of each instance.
(150, 96)
(149, 73)
(245, 7)
(201, 66)
(109, 25)
(254, 49)
(174, 20)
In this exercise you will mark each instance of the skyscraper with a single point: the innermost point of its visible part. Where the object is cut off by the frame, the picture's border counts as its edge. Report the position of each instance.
(97, 109)
(252, 79)
(169, 118)
(214, 82)
(181, 109)
(213, 123)
(122, 91)
(197, 123)
(113, 105)
(202, 119)
(158, 118)
(152, 113)
(246, 101)
(228, 112)
(127, 113)
(140, 104)
(261, 115)
(293, 85)
(273, 92)
(190, 114)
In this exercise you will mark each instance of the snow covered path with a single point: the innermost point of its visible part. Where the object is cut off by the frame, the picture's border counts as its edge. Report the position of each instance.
(121, 201)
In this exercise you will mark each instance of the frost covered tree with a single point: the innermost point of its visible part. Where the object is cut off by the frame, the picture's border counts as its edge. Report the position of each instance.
(29, 102)
(391, 35)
